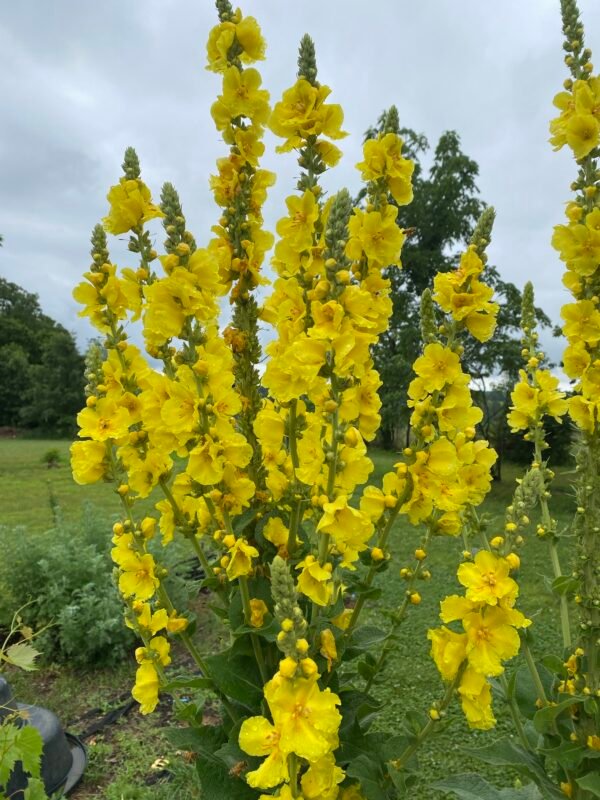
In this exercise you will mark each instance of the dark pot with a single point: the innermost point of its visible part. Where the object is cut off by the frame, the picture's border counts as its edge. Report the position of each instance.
(63, 757)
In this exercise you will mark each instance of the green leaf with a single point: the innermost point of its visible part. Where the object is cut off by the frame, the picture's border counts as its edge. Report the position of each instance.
(22, 745)
(468, 786)
(237, 677)
(564, 584)
(364, 638)
(29, 743)
(241, 523)
(205, 741)
(529, 792)
(355, 744)
(568, 754)
(545, 717)
(394, 747)
(505, 752)
(187, 682)
(591, 783)
(35, 790)
(219, 784)
(358, 708)
(22, 655)
(525, 692)
(555, 665)
(372, 779)
(365, 670)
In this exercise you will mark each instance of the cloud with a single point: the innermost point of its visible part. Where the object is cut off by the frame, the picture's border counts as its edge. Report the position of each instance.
(81, 81)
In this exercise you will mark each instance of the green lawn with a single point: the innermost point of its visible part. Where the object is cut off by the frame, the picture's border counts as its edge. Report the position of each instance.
(410, 681)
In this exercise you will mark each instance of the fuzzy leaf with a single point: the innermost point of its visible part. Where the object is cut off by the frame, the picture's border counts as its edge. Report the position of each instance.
(468, 787)
(22, 655)
(591, 783)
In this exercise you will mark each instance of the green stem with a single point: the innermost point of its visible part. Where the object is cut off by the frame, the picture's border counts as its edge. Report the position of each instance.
(381, 543)
(535, 675)
(430, 724)
(256, 645)
(565, 623)
(294, 526)
(292, 421)
(245, 595)
(293, 770)
(516, 716)
(547, 523)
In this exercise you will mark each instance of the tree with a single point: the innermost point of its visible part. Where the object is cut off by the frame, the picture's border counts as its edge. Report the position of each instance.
(41, 371)
(439, 223)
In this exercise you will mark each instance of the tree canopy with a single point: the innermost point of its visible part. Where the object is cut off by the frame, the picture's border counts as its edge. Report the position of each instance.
(439, 223)
(41, 370)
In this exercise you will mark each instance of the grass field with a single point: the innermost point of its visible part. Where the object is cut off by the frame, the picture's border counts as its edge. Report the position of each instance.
(121, 756)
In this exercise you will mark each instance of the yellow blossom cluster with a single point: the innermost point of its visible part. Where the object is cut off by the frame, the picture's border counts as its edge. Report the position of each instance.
(305, 723)
(466, 298)
(489, 637)
(448, 468)
(578, 124)
(535, 395)
(578, 244)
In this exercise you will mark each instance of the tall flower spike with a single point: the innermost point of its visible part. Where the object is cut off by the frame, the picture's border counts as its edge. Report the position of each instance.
(131, 165)
(578, 127)
(428, 322)
(307, 60)
(224, 10)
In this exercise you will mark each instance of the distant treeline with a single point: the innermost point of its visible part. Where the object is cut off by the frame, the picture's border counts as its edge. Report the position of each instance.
(41, 370)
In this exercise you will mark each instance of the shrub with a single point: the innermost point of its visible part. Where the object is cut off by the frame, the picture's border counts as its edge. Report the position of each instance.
(52, 458)
(67, 573)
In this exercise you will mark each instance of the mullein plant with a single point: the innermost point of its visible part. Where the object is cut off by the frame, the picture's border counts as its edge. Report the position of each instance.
(554, 701)
(259, 470)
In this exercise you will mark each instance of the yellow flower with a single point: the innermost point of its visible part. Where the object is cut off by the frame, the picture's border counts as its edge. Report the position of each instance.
(438, 366)
(448, 650)
(342, 621)
(298, 228)
(328, 647)
(487, 580)
(88, 461)
(593, 742)
(248, 34)
(106, 420)
(306, 716)
(302, 112)
(376, 234)
(582, 321)
(137, 576)
(315, 580)
(349, 528)
(258, 610)
(584, 413)
(146, 687)
(576, 359)
(150, 621)
(383, 159)
(351, 792)
(241, 97)
(579, 247)
(582, 133)
(130, 205)
(492, 637)
(258, 737)
(241, 555)
(476, 700)
(220, 39)
(159, 649)
(276, 532)
(320, 781)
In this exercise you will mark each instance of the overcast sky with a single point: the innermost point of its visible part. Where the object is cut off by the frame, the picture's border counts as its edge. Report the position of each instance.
(82, 79)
